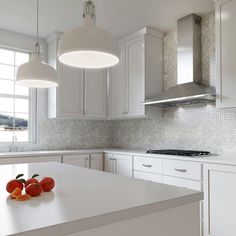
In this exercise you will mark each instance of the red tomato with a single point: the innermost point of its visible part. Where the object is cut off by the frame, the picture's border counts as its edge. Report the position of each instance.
(33, 189)
(31, 181)
(47, 184)
(13, 184)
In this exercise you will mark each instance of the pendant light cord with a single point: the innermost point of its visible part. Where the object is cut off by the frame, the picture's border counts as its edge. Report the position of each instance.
(37, 48)
(37, 21)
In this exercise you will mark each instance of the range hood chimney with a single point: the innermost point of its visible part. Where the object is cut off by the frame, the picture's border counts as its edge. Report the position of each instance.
(189, 72)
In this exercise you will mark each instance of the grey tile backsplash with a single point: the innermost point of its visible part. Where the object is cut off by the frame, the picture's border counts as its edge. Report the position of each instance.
(200, 127)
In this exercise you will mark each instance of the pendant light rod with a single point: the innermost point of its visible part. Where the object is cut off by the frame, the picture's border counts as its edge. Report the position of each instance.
(89, 9)
(37, 47)
(37, 27)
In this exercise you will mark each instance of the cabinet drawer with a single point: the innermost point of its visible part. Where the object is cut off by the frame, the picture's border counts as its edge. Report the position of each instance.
(148, 164)
(185, 183)
(183, 169)
(148, 176)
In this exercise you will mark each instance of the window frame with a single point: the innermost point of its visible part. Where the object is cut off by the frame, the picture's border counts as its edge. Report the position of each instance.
(32, 98)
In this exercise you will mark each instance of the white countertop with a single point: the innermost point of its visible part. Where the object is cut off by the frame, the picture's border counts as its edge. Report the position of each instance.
(48, 153)
(224, 159)
(82, 199)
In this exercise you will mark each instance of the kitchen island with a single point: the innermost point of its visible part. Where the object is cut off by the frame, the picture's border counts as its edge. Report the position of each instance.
(88, 203)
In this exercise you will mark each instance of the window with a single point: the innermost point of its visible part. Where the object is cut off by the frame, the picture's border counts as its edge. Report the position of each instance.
(15, 101)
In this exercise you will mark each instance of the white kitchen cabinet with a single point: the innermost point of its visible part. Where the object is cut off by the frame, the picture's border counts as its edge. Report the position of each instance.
(145, 164)
(95, 89)
(226, 54)
(139, 75)
(33, 159)
(97, 162)
(70, 92)
(181, 182)
(148, 176)
(219, 200)
(183, 169)
(90, 161)
(136, 77)
(119, 164)
(80, 94)
(117, 87)
(77, 160)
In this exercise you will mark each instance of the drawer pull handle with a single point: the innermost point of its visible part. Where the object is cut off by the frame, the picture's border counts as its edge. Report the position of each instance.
(181, 170)
(148, 166)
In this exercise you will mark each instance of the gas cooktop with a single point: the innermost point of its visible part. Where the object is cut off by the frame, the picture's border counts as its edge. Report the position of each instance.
(177, 152)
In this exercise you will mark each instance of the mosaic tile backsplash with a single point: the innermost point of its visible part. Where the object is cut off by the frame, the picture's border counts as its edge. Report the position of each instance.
(199, 126)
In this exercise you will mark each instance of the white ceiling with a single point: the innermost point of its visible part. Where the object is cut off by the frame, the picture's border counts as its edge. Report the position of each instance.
(120, 17)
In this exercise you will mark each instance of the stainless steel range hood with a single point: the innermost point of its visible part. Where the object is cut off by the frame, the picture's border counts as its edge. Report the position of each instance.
(189, 88)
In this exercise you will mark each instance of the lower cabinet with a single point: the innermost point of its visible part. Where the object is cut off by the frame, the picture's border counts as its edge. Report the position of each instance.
(77, 160)
(97, 162)
(33, 159)
(219, 200)
(180, 182)
(119, 164)
(148, 176)
(91, 161)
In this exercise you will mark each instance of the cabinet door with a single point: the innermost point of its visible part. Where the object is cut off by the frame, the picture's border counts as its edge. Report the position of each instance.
(219, 200)
(123, 165)
(226, 53)
(96, 162)
(117, 87)
(95, 82)
(136, 77)
(77, 160)
(109, 163)
(70, 92)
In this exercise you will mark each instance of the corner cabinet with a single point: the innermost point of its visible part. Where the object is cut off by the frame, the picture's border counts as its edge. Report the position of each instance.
(89, 161)
(119, 164)
(219, 200)
(138, 76)
(80, 94)
(226, 54)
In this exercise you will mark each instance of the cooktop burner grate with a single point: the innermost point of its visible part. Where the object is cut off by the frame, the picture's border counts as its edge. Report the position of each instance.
(177, 152)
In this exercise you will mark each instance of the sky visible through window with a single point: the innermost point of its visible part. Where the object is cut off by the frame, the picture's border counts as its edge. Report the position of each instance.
(14, 100)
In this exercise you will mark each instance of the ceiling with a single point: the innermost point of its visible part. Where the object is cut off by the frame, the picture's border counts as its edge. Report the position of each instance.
(120, 17)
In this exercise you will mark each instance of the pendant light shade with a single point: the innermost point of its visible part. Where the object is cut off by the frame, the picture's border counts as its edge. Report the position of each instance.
(88, 46)
(36, 74)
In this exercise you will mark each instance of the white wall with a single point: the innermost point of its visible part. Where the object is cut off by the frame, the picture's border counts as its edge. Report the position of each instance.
(20, 41)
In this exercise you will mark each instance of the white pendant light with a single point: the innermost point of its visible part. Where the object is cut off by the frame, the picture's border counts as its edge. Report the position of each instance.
(88, 46)
(36, 74)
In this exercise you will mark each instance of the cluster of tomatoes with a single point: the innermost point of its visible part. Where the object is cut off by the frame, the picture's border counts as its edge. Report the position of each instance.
(32, 186)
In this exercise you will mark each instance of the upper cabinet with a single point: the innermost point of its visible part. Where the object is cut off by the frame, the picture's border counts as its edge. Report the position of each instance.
(138, 76)
(226, 53)
(114, 94)
(80, 94)
(95, 89)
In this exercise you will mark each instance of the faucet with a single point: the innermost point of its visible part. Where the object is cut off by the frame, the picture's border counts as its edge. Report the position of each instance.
(12, 147)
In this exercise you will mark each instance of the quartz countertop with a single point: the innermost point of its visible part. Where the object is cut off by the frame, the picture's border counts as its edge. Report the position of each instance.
(224, 159)
(82, 199)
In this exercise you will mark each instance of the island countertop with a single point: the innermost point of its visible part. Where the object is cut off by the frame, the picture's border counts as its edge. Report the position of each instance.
(82, 199)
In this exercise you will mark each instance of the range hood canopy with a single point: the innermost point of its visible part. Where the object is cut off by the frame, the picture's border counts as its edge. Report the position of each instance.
(189, 72)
